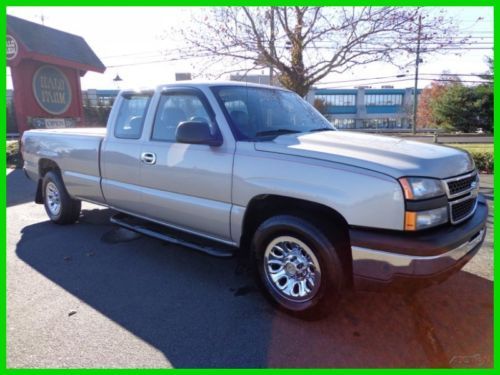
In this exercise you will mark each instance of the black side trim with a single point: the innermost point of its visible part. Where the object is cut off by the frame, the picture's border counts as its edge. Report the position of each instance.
(427, 204)
(425, 243)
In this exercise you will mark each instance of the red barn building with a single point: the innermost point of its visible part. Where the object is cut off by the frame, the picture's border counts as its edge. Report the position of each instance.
(46, 66)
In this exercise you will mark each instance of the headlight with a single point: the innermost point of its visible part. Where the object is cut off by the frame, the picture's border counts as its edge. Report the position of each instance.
(425, 219)
(419, 188)
(416, 188)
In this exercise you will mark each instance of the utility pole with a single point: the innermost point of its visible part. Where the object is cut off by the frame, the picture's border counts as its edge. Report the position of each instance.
(415, 92)
(271, 19)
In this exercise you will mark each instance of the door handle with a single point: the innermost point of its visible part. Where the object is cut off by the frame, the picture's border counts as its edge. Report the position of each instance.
(148, 157)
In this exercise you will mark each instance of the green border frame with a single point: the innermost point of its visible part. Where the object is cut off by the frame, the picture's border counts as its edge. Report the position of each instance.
(3, 189)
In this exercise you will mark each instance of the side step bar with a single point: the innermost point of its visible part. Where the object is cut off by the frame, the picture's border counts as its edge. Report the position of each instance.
(164, 233)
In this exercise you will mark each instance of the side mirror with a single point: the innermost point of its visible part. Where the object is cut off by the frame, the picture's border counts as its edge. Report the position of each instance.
(196, 132)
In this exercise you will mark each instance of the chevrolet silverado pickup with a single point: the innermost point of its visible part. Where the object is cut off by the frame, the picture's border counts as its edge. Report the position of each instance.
(227, 167)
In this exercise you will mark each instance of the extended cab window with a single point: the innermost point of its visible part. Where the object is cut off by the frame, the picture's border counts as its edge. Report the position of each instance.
(173, 109)
(131, 115)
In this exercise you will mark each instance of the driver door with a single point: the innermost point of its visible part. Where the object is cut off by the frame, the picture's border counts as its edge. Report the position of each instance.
(186, 185)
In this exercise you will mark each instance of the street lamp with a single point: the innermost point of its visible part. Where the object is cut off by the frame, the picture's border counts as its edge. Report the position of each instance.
(117, 81)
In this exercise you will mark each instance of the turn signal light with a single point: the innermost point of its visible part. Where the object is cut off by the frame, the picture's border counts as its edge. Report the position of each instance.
(406, 188)
(425, 219)
(410, 220)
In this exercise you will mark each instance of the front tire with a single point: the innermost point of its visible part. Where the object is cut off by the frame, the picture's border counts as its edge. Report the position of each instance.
(298, 266)
(60, 207)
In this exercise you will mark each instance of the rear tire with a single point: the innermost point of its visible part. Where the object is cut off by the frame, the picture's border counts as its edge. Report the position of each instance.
(298, 266)
(60, 207)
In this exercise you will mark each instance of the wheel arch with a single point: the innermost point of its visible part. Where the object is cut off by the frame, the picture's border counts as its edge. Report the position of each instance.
(45, 165)
(329, 220)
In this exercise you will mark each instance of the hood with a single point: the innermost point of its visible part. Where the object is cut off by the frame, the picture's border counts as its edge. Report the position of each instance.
(389, 155)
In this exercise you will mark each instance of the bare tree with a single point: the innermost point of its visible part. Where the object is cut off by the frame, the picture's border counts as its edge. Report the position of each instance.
(305, 44)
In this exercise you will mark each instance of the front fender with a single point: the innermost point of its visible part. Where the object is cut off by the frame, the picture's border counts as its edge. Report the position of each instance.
(364, 198)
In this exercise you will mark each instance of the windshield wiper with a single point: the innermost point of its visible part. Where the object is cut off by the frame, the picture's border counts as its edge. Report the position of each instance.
(276, 132)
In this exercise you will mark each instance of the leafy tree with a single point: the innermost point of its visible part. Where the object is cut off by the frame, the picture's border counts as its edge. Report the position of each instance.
(484, 106)
(303, 45)
(448, 104)
(489, 74)
(429, 95)
(425, 113)
(484, 101)
(465, 108)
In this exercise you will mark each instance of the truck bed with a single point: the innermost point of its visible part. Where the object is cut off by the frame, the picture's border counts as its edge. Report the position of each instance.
(76, 151)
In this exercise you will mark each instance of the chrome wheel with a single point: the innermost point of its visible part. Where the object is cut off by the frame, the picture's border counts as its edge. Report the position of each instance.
(53, 198)
(292, 268)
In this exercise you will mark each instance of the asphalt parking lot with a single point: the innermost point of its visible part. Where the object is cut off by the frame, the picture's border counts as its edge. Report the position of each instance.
(82, 296)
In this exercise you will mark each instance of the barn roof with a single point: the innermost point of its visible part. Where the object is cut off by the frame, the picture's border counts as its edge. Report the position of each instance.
(67, 49)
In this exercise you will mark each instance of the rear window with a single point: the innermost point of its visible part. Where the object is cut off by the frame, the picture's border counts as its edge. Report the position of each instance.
(131, 115)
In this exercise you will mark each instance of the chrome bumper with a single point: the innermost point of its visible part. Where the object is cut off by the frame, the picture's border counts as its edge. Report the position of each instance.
(385, 265)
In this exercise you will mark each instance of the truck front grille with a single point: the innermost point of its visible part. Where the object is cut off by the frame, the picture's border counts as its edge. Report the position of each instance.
(462, 209)
(462, 184)
(462, 194)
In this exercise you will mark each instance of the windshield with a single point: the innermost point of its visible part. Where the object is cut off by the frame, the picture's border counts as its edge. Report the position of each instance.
(260, 113)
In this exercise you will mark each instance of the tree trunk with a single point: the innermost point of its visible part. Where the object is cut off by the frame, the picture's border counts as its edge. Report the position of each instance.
(295, 79)
(294, 82)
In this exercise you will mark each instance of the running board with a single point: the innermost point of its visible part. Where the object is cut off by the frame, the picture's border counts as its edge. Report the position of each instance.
(164, 233)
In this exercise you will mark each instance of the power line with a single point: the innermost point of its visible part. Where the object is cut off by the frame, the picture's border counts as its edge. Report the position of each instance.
(147, 62)
(372, 79)
(164, 60)
(140, 63)
(361, 79)
(144, 53)
(446, 47)
(456, 41)
(410, 79)
(453, 74)
(460, 45)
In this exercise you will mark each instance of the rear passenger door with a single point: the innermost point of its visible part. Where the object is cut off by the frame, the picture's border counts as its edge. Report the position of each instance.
(187, 185)
(121, 152)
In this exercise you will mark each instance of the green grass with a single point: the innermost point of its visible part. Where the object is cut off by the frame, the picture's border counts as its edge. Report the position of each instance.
(473, 147)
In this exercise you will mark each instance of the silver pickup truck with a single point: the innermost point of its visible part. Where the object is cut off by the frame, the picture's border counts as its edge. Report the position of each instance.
(226, 167)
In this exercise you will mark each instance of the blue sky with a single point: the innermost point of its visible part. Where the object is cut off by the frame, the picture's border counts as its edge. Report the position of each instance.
(131, 41)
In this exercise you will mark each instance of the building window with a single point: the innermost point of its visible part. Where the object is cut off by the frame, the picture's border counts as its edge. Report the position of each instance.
(383, 99)
(382, 123)
(343, 123)
(338, 100)
(105, 101)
